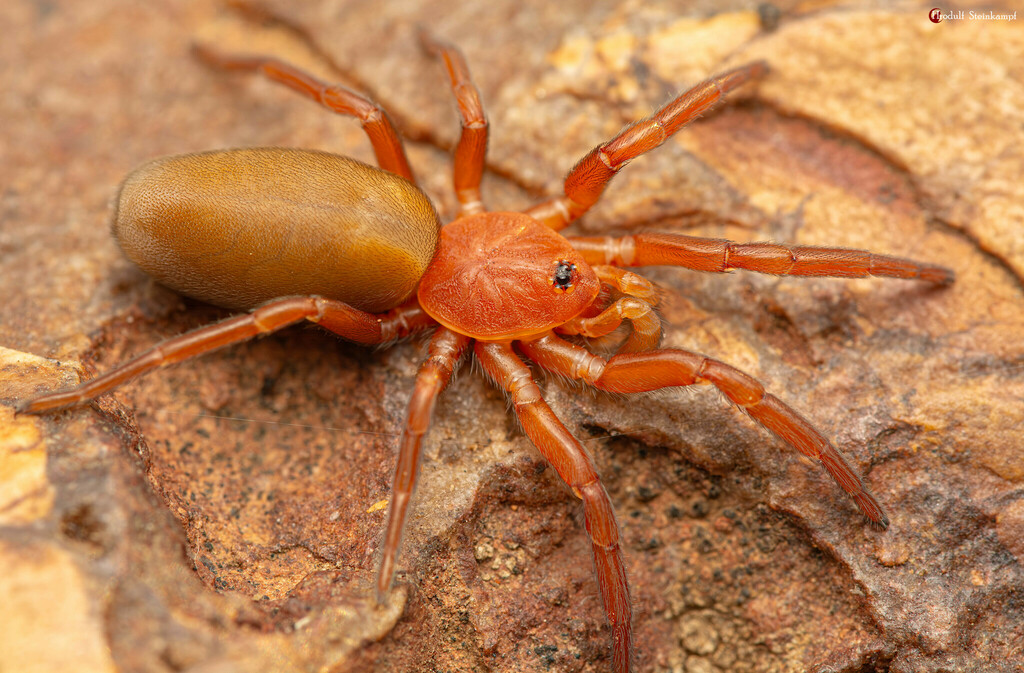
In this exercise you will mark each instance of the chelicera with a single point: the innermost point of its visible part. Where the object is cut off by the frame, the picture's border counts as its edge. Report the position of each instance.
(298, 235)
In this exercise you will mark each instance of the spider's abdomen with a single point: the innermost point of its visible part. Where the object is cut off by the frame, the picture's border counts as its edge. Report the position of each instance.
(500, 276)
(238, 228)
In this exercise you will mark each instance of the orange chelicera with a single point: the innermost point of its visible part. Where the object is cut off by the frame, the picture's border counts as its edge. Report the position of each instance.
(360, 251)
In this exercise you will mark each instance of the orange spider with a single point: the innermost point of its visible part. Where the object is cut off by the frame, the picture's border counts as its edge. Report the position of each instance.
(361, 252)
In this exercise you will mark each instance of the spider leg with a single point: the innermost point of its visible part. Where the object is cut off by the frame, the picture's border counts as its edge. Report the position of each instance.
(587, 180)
(472, 147)
(445, 351)
(638, 372)
(646, 325)
(718, 255)
(387, 144)
(338, 317)
(573, 465)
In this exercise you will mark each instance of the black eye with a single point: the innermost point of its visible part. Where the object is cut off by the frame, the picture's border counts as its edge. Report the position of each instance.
(562, 279)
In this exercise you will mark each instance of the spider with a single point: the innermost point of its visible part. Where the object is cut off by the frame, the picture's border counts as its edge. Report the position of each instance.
(299, 235)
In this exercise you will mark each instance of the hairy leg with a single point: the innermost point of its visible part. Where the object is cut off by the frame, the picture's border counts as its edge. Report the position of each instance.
(340, 318)
(387, 144)
(472, 147)
(588, 179)
(638, 372)
(573, 465)
(445, 351)
(718, 256)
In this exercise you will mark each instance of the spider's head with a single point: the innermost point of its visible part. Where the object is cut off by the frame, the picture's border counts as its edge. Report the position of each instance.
(502, 276)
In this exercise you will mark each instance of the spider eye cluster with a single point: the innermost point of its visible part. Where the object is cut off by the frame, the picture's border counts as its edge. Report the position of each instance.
(565, 273)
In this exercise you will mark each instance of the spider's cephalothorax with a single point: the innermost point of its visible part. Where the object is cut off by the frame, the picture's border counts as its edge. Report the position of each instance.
(491, 280)
(504, 275)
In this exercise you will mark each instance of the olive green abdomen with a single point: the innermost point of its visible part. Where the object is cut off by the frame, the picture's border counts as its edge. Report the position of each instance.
(237, 228)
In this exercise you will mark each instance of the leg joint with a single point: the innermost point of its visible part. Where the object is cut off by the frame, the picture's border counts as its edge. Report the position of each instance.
(740, 388)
